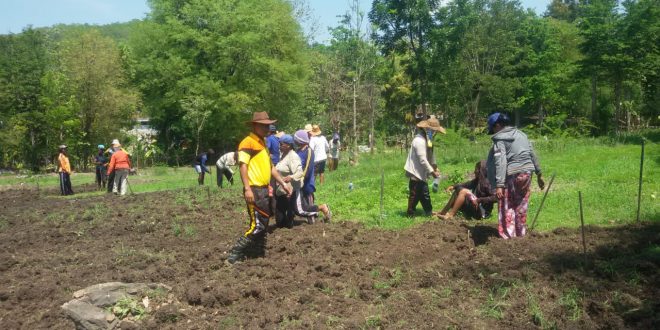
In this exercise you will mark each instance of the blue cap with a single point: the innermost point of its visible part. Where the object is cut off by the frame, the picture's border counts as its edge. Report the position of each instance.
(287, 138)
(492, 119)
(101, 146)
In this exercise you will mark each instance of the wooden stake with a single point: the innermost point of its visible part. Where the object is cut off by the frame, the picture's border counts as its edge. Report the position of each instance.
(641, 173)
(542, 201)
(584, 242)
(382, 189)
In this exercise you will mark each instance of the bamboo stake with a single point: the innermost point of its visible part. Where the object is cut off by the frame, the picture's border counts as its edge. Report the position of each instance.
(641, 172)
(584, 242)
(542, 201)
(382, 188)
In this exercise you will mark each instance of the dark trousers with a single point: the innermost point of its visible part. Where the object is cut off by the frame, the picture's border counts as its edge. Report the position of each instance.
(65, 184)
(284, 212)
(100, 177)
(200, 178)
(111, 180)
(418, 191)
(220, 172)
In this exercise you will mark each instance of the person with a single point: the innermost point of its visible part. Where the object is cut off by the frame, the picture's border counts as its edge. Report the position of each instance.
(120, 164)
(101, 162)
(301, 139)
(420, 165)
(334, 152)
(292, 173)
(256, 170)
(111, 176)
(273, 144)
(64, 171)
(511, 161)
(224, 167)
(319, 145)
(200, 165)
(475, 197)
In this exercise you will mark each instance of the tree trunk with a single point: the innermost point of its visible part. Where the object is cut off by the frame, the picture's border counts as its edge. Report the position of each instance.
(475, 109)
(618, 116)
(594, 110)
(372, 107)
(541, 115)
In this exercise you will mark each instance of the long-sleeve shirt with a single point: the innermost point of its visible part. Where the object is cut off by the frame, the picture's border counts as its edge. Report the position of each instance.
(290, 165)
(419, 164)
(307, 162)
(510, 154)
(64, 163)
(273, 145)
(119, 161)
(200, 160)
(227, 161)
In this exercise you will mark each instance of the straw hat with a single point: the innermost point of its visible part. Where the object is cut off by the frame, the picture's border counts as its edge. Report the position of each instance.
(308, 128)
(115, 143)
(432, 123)
(316, 130)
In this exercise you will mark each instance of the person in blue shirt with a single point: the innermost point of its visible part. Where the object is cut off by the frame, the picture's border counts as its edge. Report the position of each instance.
(101, 162)
(200, 165)
(301, 139)
(273, 144)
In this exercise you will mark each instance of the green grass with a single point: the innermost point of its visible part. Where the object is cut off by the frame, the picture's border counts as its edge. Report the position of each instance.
(604, 170)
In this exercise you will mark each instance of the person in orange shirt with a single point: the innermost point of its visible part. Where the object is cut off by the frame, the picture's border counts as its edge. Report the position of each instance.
(65, 171)
(120, 163)
(256, 170)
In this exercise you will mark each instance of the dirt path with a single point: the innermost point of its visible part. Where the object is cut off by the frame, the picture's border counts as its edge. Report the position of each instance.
(438, 275)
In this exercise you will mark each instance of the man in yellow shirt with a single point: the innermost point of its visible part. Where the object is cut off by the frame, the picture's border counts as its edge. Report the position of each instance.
(64, 170)
(256, 170)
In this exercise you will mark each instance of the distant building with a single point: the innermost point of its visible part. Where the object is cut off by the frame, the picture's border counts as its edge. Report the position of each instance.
(142, 130)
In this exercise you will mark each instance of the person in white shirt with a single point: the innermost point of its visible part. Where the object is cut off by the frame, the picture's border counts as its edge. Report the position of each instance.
(320, 146)
(224, 167)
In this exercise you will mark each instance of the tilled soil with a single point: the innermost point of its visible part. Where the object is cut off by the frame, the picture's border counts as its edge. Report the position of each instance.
(456, 274)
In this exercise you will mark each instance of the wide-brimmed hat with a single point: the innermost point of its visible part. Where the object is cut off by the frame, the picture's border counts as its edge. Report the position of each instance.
(308, 128)
(115, 143)
(301, 137)
(261, 117)
(316, 130)
(432, 123)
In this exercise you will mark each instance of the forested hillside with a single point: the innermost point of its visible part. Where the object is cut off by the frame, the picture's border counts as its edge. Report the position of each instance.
(198, 68)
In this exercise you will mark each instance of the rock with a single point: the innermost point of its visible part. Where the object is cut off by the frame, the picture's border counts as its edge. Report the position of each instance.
(87, 308)
(87, 316)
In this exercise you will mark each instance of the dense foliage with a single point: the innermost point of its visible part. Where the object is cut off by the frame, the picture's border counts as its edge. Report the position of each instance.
(198, 68)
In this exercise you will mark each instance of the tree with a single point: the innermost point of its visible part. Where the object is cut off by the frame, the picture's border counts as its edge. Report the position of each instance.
(237, 56)
(104, 102)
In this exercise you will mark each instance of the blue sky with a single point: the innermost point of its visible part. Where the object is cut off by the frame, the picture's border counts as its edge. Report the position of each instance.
(17, 14)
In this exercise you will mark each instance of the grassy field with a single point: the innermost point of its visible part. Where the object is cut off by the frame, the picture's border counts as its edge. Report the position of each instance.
(605, 171)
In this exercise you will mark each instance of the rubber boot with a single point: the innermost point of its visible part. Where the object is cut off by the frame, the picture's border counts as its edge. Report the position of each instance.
(238, 252)
(258, 247)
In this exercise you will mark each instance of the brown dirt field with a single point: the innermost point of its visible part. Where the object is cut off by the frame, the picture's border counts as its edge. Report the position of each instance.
(437, 275)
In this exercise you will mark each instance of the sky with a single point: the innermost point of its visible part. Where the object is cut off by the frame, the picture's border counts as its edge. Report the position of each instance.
(18, 14)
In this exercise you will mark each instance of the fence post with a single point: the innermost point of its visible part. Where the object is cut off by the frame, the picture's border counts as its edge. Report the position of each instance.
(584, 242)
(641, 173)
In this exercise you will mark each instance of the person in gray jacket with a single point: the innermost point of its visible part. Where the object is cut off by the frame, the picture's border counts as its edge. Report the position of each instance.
(510, 164)
(420, 165)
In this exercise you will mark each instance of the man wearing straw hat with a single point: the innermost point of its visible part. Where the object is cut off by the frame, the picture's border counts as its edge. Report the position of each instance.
(256, 169)
(420, 165)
